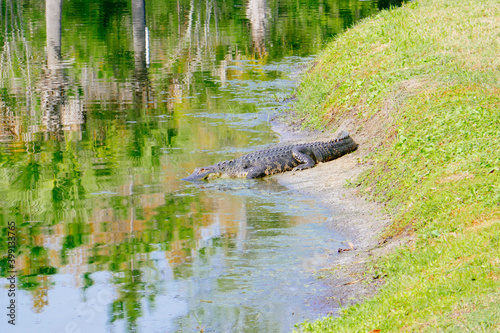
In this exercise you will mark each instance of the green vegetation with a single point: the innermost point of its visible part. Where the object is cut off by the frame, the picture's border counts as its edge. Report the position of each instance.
(429, 73)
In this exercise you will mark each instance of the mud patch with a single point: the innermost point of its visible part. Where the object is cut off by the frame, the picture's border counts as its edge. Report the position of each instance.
(361, 222)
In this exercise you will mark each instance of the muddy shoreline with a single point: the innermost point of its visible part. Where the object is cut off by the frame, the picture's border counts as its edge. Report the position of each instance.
(361, 222)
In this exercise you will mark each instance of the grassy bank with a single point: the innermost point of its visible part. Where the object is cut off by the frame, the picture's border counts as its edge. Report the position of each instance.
(424, 81)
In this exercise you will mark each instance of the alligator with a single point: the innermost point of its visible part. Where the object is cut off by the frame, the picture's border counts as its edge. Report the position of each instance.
(273, 160)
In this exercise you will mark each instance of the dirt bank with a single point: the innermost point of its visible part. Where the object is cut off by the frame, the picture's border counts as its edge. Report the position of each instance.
(361, 222)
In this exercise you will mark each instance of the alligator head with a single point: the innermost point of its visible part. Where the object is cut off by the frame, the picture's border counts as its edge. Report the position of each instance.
(224, 169)
(203, 173)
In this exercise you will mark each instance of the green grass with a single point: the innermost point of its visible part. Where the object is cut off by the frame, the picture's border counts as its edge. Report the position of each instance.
(432, 69)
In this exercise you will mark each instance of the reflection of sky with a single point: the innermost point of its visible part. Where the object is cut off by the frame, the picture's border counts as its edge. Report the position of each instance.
(67, 312)
(269, 277)
(262, 83)
(267, 280)
(264, 273)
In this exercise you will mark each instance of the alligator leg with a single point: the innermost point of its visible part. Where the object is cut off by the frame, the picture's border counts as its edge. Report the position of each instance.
(304, 157)
(256, 172)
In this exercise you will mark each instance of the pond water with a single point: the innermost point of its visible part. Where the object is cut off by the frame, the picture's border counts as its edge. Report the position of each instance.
(104, 107)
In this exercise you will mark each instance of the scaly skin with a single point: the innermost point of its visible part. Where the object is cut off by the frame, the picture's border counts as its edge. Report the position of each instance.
(279, 159)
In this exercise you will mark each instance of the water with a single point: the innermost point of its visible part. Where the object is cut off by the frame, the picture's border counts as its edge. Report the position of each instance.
(104, 106)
